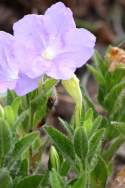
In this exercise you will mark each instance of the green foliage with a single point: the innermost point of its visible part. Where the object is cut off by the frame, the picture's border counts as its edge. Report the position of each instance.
(20, 145)
(38, 105)
(81, 143)
(24, 168)
(5, 179)
(99, 77)
(94, 151)
(111, 84)
(9, 114)
(64, 168)
(81, 155)
(79, 183)
(99, 175)
(55, 180)
(86, 147)
(54, 160)
(62, 142)
(30, 181)
(23, 144)
(5, 140)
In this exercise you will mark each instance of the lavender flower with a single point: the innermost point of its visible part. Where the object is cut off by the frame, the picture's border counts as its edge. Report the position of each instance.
(43, 44)
(10, 75)
(51, 44)
(8, 66)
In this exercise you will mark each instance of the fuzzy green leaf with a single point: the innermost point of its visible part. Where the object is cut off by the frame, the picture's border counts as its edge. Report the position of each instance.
(5, 139)
(22, 146)
(100, 174)
(55, 180)
(62, 142)
(16, 104)
(110, 99)
(5, 179)
(65, 166)
(80, 183)
(98, 76)
(95, 143)
(24, 169)
(9, 115)
(81, 143)
(30, 182)
(95, 125)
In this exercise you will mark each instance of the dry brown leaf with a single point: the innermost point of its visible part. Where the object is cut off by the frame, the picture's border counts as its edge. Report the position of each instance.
(119, 181)
(116, 57)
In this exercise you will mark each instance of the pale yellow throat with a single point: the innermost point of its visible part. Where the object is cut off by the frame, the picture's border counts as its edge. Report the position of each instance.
(48, 54)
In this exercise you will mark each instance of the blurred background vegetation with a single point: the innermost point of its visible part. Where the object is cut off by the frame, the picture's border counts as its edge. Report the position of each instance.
(103, 17)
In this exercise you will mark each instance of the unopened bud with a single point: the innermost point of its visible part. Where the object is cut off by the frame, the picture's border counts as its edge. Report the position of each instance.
(54, 160)
(73, 89)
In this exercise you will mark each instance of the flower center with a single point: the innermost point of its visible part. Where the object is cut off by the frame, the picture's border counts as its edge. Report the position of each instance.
(48, 54)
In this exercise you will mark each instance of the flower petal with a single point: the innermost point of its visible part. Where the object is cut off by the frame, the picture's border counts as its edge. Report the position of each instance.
(58, 71)
(8, 66)
(30, 30)
(30, 63)
(25, 85)
(58, 19)
(79, 46)
(4, 86)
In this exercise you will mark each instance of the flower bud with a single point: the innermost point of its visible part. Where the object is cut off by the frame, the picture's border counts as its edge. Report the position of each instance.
(54, 160)
(73, 89)
(1, 111)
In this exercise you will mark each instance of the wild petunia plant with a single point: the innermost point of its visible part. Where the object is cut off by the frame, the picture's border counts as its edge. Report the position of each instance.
(44, 50)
